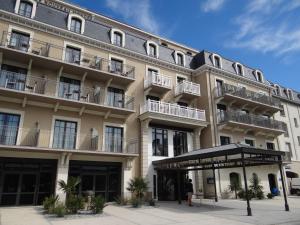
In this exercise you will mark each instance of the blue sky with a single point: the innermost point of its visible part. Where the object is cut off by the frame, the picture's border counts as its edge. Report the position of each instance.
(263, 34)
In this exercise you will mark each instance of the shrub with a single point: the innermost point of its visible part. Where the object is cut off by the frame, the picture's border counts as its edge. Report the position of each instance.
(270, 196)
(97, 204)
(60, 210)
(255, 185)
(49, 203)
(225, 194)
(121, 200)
(74, 203)
(242, 194)
(138, 186)
(260, 195)
(135, 202)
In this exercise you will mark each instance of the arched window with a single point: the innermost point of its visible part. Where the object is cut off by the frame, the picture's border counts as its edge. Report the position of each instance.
(277, 90)
(259, 76)
(235, 181)
(26, 8)
(152, 49)
(289, 94)
(179, 58)
(117, 37)
(239, 69)
(217, 61)
(76, 23)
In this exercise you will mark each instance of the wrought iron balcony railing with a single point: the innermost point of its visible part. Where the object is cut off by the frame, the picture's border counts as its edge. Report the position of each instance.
(173, 110)
(188, 88)
(158, 80)
(241, 117)
(45, 49)
(242, 92)
(40, 138)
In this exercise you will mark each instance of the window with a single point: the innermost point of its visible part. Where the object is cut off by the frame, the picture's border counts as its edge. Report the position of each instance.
(216, 60)
(289, 94)
(183, 104)
(285, 127)
(180, 143)
(221, 112)
(73, 55)
(12, 77)
(114, 139)
(259, 76)
(239, 69)
(76, 25)
(235, 182)
(224, 140)
(153, 98)
(115, 97)
(116, 66)
(282, 112)
(65, 133)
(270, 146)
(296, 122)
(19, 41)
(180, 79)
(159, 142)
(26, 8)
(277, 90)
(152, 49)
(179, 58)
(219, 86)
(69, 88)
(117, 37)
(289, 148)
(9, 128)
(298, 137)
(249, 142)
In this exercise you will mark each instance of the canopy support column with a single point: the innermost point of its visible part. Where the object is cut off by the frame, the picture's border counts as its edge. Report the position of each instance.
(178, 187)
(286, 205)
(215, 184)
(249, 211)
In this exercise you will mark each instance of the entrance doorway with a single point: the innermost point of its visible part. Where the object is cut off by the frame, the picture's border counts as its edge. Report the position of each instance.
(273, 184)
(26, 181)
(168, 185)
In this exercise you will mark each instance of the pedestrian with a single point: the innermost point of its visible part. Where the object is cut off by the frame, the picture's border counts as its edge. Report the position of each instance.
(190, 191)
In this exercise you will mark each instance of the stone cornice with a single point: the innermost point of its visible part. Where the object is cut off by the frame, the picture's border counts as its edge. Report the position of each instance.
(36, 25)
(208, 68)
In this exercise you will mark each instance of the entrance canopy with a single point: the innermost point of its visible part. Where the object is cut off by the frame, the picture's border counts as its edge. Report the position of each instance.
(225, 156)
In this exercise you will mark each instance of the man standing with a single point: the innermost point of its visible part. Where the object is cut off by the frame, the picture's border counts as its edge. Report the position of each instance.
(190, 191)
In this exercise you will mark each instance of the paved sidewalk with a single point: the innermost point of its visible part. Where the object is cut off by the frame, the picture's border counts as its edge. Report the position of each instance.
(231, 212)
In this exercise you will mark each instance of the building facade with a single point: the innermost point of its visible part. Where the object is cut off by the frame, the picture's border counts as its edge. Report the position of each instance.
(87, 96)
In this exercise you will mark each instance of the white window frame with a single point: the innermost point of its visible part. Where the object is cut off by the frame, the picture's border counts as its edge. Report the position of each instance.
(176, 53)
(213, 59)
(114, 125)
(76, 16)
(71, 119)
(250, 138)
(148, 43)
(256, 73)
(66, 44)
(112, 35)
(21, 114)
(34, 4)
(236, 65)
(277, 86)
(289, 94)
(12, 28)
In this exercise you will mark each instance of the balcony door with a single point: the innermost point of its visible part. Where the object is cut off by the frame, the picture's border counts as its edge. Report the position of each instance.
(12, 77)
(9, 128)
(65, 133)
(19, 41)
(115, 97)
(116, 66)
(114, 139)
(73, 55)
(219, 86)
(69, 88)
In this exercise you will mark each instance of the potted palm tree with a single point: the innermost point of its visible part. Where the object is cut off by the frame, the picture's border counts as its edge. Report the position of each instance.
(137, 186)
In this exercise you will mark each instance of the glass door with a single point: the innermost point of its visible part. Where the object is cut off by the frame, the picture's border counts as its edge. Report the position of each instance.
(28, 189)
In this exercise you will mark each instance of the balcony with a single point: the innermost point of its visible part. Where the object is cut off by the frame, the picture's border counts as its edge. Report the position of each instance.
(187, 90)
(241, 97)
(34, 139)
(172, 114)
(47, 55)
(41, 89)
(249, 123)
(157, 83)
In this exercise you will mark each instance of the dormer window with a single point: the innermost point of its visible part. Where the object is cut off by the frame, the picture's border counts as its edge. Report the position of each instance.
(216, 59)
(239, 69)
(179, 58)
(259, 76)
(76, 23)
(26, 8)
(289, 94)
(152, 49)
(117, 37)
(277, 90)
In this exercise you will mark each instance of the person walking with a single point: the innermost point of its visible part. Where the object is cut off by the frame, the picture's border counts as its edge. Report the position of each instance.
(190, 191)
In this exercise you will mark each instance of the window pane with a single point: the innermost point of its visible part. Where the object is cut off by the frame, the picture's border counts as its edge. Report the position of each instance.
(25, 9)
(65, 134)
(73, 55)
(69, 88)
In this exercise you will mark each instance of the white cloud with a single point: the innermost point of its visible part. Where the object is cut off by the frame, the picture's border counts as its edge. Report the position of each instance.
(267, 26)
(138, 11)
(212, 5)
